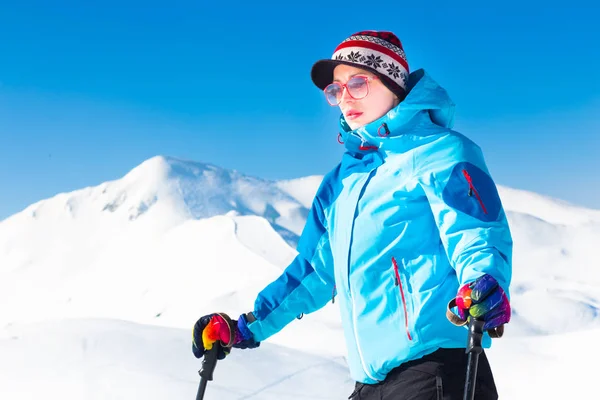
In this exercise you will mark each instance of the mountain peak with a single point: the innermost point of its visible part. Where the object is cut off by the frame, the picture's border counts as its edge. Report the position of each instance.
(173, 190)
(162, 167)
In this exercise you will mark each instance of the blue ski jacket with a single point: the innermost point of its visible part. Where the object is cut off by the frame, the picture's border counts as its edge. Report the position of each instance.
(408, 215)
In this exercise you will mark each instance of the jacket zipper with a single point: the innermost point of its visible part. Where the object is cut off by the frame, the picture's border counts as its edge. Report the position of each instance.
(473, 190)
(354, 317)
(399, 284)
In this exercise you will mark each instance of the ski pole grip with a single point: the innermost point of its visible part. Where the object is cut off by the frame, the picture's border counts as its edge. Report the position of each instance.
(210, 362)
(475, 335)
(495, 333)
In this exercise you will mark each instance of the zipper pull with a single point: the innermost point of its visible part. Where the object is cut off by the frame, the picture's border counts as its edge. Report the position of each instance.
(472, 190)
(396, 274)
(469, 181)
(333, 295)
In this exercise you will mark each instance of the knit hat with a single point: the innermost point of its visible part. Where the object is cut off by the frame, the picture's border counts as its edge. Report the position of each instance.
(380, 52)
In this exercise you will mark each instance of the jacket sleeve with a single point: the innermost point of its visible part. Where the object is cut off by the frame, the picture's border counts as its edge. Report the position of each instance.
(305, 286)
(467, 208)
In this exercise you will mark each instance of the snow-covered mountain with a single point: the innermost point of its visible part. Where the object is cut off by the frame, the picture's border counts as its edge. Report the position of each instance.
(144, 256)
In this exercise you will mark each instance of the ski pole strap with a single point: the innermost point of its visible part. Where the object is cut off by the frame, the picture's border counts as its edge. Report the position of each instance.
(452, 317)
(494, 333)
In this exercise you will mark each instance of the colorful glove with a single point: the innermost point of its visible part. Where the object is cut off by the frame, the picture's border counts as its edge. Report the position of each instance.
(210, 328)
(485, 299)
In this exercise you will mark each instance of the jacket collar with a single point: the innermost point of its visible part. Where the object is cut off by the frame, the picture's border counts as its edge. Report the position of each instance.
(426, 103)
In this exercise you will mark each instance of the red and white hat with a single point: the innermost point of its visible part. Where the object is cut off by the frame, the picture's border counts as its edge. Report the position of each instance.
(380, 52)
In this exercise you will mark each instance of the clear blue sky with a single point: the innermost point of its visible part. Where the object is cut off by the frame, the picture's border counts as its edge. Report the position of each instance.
(87, 92)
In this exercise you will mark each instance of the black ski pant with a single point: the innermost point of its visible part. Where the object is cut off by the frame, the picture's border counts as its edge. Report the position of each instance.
(437, 376)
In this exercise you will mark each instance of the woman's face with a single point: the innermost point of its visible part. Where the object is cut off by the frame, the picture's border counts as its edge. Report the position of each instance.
(363, 111)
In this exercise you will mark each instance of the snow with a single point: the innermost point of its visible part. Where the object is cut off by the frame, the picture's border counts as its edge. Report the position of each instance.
(99, 290)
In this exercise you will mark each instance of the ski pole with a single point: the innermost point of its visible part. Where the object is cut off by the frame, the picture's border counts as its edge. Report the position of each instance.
(210, 358)
(474, 349)
(208, 368)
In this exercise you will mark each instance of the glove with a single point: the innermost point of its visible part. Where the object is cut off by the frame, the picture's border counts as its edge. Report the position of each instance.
(485, 299)
(212, 327)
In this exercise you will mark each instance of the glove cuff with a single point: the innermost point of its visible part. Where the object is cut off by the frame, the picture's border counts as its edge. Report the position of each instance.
(242, 332)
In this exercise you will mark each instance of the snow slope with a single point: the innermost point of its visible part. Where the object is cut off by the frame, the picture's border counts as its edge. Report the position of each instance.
(109, 359)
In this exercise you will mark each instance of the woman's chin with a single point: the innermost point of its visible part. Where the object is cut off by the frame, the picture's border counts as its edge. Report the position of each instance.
(355, 124)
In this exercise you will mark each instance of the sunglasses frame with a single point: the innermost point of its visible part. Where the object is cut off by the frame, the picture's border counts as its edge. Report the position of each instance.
(345, 87)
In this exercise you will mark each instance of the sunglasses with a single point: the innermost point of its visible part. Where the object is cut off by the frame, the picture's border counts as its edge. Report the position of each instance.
(357, 87)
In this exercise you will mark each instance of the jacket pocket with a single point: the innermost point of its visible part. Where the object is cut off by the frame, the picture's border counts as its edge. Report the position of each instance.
(403, 298)
(472, 191)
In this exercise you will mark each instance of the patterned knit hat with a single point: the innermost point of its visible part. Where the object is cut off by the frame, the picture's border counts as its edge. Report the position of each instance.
(375, 51)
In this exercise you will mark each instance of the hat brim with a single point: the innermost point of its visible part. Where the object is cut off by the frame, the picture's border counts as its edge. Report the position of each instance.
(322, 75)
(322, 71)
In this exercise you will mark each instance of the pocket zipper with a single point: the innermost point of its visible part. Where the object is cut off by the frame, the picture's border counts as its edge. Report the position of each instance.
(473, 190)
(399, 284)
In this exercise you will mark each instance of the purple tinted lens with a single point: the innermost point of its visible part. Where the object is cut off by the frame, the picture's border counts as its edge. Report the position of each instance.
(357, 87)
(333, 93)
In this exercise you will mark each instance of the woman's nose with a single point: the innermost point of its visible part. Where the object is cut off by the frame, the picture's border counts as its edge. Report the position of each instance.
(345, 96)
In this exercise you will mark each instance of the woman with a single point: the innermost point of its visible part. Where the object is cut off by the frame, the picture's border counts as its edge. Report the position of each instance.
(407, 221)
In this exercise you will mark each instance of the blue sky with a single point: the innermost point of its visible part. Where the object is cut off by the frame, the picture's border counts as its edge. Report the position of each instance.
(87, 92)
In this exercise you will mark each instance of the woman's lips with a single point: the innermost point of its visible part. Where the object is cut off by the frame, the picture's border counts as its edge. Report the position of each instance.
(353, 114)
